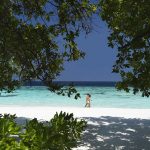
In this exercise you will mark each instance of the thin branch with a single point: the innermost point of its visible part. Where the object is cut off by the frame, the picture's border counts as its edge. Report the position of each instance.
(52, 4)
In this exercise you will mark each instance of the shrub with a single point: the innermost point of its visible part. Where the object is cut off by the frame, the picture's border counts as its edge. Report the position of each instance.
(60, 133)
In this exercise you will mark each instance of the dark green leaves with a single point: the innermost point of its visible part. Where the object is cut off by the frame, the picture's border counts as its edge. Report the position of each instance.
(37, 37)
(129, 24)
(62, 132)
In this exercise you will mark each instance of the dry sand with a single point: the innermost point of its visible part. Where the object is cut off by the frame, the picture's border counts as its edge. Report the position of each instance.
(46, 113)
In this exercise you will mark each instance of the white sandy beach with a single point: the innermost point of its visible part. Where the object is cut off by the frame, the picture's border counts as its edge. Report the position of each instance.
(108, 128)
(45, 113)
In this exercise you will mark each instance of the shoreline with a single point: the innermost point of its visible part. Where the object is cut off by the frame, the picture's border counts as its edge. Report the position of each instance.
(47, 112)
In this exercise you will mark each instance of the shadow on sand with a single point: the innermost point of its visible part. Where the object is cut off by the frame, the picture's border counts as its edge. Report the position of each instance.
(112, 133)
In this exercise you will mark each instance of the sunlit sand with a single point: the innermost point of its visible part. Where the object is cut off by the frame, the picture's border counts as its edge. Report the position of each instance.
(46, 113)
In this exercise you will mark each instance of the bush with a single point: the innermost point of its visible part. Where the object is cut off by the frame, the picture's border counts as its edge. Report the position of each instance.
(60, 133)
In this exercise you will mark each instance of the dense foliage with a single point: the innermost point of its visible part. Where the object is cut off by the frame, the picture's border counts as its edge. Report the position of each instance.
(37, 37)
(60, 133)
(129, 24)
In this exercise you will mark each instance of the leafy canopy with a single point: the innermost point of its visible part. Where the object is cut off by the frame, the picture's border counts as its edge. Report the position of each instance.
(129, 24)
(31, 37)
(37, 37)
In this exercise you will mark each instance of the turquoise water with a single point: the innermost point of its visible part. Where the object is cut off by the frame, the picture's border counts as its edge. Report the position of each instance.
(101, 97)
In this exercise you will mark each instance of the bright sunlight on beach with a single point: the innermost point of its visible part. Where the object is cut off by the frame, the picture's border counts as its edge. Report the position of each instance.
(74, 75)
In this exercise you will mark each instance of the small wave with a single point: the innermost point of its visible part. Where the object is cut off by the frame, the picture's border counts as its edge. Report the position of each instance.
(13, 95)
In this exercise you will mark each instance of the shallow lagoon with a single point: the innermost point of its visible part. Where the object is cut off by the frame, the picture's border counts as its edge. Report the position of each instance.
(105, 97)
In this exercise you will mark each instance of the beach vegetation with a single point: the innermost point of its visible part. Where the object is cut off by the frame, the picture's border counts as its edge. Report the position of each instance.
(62, 132)
(38, 37)
(129, 25)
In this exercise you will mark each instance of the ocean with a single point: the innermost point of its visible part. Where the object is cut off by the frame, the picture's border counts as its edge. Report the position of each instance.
(103, 94)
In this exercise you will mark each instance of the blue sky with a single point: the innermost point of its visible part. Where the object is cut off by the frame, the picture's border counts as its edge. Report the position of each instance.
(98, 62)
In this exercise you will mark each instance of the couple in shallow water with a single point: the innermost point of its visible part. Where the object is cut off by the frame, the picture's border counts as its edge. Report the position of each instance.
(88, 100)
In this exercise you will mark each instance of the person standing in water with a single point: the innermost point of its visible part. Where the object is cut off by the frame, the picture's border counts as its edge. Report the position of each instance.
(88, 100)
